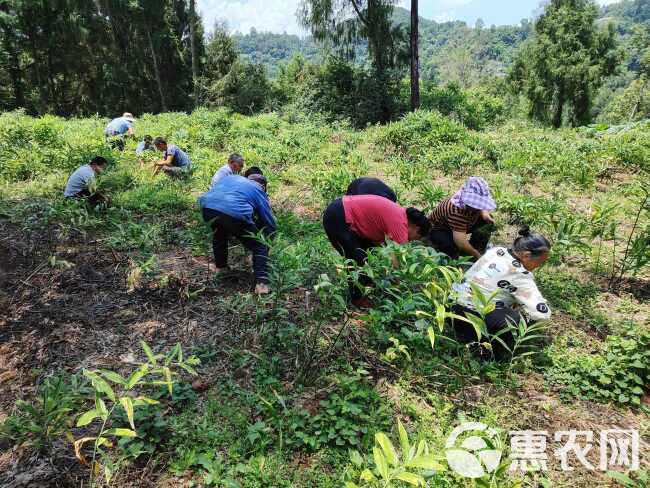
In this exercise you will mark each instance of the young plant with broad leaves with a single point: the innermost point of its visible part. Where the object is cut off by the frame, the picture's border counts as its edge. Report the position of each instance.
(113, 391)
(413, 464)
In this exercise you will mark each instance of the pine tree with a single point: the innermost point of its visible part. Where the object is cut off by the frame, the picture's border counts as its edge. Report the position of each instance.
(560, 68)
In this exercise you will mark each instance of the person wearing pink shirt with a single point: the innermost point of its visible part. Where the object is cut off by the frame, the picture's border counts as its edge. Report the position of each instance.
(355, 224)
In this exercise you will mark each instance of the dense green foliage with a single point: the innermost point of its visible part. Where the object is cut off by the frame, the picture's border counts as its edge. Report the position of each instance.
(564, 63)
(299, 375)
(289, 389)
(84, 57)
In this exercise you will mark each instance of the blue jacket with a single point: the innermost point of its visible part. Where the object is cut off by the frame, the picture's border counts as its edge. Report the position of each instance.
(241, 199)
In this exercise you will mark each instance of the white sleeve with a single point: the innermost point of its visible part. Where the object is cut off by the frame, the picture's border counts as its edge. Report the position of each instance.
(525, 291)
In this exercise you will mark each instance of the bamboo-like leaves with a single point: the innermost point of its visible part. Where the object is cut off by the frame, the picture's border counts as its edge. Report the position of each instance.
(87, 417)
(127, 404)
(150, 355)
(387, 448)
(100, 384)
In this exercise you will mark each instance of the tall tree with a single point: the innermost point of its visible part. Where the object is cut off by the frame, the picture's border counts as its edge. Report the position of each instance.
(564, 63)
(415, 59)
(345, 23)
(10, 45)
(195, 61)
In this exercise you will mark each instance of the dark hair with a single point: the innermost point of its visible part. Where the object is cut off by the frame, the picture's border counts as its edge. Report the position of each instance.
(253, 170)
(148, 138)
(159, 140)
(534, 243)
(236, 158)
(99, 161)
(417, 217)
(259, 179)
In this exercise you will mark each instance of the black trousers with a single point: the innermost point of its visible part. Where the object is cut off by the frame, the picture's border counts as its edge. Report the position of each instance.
(443, 240)
(347, 243)
(93, 199)
(224, 227)
(496, 321)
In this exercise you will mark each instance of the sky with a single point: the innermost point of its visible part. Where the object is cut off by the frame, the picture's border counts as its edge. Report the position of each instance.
(280, 15)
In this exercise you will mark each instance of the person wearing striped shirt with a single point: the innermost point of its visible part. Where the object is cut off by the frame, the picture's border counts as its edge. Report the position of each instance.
(467, 212)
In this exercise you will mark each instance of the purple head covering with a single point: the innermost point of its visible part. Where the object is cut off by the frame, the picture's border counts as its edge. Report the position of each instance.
(476, 194)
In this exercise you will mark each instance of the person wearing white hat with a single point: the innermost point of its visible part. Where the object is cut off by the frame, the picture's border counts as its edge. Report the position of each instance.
(119, 128)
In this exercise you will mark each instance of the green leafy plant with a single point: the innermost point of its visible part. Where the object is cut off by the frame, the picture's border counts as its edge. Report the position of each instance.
(412, 464)
(158, 370)
(343, 419)
(619, 374)
(638, 479)
(42, 421)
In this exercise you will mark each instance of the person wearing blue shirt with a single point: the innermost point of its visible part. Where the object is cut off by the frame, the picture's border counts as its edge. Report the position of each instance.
(239, 207)
(117, 129)
(80, 182)
(146, 144)
(175, 161)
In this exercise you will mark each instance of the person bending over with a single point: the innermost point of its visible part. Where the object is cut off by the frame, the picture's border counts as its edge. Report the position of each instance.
(253, 170)
(174, 161)
(507, 273)
(146, 144)
(233, 167)
(356, 223)
(371, 186)
(239, 207)
(119, 128)
(79, 182)
(466, 212)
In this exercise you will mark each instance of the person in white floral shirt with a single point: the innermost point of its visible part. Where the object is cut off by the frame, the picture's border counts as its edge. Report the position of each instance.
(506, 275)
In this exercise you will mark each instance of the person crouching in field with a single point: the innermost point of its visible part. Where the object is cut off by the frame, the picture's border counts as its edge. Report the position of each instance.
(146, 144)
(371, 186)
(354, 224)
(506, 273)
(80, 182)
(233, 167)
(174, 161)
(119, 128)
(239, 207)
(466, 212)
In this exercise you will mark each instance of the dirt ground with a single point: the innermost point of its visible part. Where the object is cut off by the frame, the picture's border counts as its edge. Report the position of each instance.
(76, 312)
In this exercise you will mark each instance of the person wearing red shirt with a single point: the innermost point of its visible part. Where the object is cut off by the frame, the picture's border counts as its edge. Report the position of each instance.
(354, 224)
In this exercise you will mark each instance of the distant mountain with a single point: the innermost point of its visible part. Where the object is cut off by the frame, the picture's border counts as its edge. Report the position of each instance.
(447, 49)
(272, 49)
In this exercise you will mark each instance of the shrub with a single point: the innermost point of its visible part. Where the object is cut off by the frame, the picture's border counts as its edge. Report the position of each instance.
(421, 130)
(619, 374)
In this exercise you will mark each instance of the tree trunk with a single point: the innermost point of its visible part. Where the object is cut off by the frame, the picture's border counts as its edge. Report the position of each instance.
(195, 64)
(415, 59)
(557, 116)
(14, 62)
(156, 71)
(638, 102)
(15, 74)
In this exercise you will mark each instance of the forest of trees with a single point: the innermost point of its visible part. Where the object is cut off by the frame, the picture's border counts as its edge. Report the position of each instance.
(79, 57)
